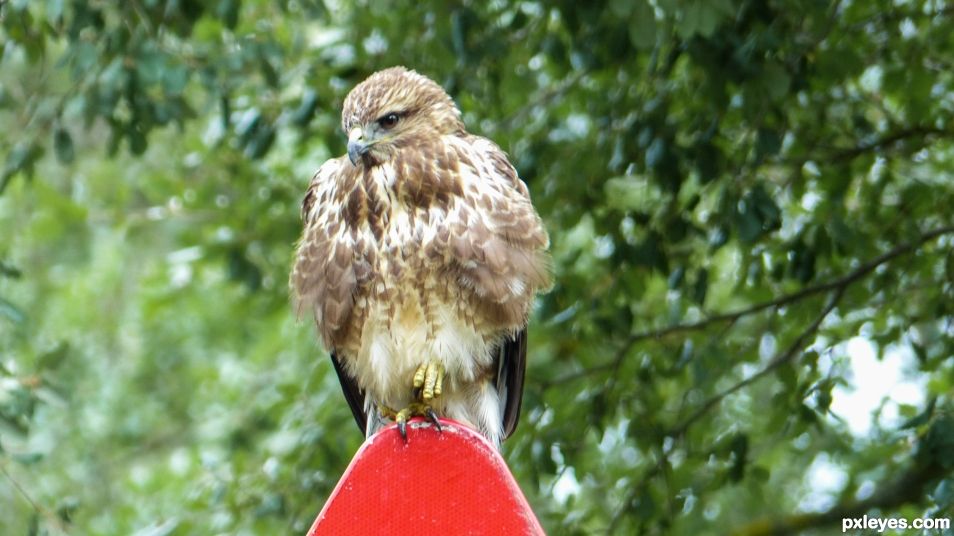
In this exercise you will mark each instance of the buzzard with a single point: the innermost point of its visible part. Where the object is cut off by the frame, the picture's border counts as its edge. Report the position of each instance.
(420, 257)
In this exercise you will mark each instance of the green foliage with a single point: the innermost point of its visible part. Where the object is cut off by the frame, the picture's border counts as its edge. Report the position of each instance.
(735, 190)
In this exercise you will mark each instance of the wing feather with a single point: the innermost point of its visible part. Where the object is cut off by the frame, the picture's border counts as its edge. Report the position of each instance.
(496, 237)
(352, 393)
(499, 244)
(323, 278)
(511, 368)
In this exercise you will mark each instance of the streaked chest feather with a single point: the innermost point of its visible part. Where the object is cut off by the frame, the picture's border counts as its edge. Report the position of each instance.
(411, 305)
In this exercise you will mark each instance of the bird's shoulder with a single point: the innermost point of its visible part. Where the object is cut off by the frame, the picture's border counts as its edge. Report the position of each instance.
(489, 162)
(324, 184)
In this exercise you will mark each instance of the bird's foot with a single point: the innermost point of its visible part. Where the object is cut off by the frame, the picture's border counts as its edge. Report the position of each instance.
(415, 409)
(429, 380)
(387, 412)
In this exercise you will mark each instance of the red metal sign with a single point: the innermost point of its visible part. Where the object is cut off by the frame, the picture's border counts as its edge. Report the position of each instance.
(450, 482)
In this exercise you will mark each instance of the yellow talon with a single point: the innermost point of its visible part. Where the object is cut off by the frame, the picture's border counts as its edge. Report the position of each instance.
(429, 377)
(387, 412)
(439, 384)
(413, 410)
(432, 377)
(419, 374)
(428, 383)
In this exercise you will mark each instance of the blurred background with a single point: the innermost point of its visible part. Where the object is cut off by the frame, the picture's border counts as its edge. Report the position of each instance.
(751, 204)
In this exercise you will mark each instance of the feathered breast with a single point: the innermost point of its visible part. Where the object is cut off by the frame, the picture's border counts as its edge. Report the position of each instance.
(451, 206)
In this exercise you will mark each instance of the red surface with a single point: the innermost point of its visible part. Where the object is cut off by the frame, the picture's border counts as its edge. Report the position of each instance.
(453, 482)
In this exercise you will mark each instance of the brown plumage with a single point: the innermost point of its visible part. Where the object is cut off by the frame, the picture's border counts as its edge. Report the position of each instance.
(423, 247)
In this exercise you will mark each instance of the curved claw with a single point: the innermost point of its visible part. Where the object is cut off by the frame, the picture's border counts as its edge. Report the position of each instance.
(402, 429)
(415, 409)
(432, 416)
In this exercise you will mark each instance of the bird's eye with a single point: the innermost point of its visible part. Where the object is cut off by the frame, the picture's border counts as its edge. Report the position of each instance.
(388, 121)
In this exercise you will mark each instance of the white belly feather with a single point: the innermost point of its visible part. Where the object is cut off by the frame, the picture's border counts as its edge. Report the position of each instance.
(393, 347)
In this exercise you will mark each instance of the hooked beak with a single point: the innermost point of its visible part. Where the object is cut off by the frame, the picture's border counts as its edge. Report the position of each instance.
(357, 146)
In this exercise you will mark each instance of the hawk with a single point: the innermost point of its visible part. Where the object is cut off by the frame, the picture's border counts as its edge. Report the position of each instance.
(420, 257)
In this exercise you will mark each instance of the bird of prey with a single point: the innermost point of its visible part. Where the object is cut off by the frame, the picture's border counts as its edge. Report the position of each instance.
(420, 257)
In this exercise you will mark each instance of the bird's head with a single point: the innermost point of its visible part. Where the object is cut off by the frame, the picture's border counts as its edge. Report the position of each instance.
(392, 109)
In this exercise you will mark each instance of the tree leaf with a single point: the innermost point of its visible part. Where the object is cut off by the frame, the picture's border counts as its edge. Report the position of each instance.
(21, 159)
(642, 26)
(700, 286)
(11, 312)
(776, 80)
(922, 418)
(8, 270)
(53, 359)
(306, 109)
(63, 146)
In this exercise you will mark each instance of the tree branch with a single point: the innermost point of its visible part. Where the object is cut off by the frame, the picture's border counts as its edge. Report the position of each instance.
(542, 97)
(787, 299)
(910, 487)
(848, 153)
(49, 516)
(20, 490)
(780, 359)
(732, 316)
(634, 490)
